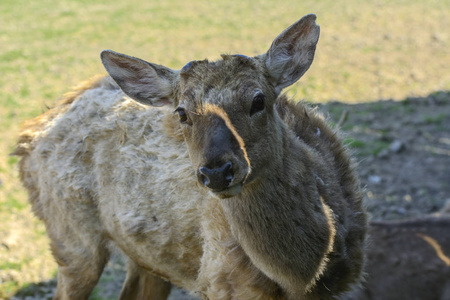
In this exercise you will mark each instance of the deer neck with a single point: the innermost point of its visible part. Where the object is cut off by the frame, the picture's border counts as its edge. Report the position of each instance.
(281, 221)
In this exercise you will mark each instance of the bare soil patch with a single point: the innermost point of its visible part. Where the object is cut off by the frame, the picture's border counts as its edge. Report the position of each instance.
(403, 149)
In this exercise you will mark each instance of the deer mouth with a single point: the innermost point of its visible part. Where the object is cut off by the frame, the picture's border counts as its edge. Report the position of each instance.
(228, 192)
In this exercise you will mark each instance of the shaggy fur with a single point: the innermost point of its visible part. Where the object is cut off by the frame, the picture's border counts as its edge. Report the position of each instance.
(104, 171)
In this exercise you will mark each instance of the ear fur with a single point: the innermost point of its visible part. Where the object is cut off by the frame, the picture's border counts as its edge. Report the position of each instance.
(292, 52)
(146, 83)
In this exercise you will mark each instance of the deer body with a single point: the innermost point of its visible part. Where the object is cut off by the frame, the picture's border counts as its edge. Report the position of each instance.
(239, 194)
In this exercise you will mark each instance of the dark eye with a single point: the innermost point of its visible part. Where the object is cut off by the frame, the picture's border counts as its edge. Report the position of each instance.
(182, 114)
(257, 104)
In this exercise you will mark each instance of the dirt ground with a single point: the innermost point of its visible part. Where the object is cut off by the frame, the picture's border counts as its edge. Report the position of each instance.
(403, 150)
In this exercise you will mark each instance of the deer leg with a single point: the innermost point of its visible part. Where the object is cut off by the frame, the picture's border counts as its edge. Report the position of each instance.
(78, 245)
(140, 285)
(79, 269)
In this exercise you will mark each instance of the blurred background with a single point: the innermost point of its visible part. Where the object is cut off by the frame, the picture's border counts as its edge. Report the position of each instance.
(369, 51)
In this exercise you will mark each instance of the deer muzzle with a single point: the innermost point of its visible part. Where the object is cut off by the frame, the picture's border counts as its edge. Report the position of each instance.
(217, 179)
(224, 164)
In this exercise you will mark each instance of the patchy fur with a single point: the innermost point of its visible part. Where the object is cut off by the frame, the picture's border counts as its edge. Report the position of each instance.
(103, 170)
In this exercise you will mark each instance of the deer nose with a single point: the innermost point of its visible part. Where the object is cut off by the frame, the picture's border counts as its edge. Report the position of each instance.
(217, 179)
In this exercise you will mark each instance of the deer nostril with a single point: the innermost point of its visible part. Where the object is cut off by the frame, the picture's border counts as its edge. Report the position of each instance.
(203, 177)
(217, 178)
(228, 172)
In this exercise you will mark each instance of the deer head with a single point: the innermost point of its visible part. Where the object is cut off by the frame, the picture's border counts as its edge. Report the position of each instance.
(226, 107)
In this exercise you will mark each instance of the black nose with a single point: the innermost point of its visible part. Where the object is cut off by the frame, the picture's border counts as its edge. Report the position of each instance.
(216, 179)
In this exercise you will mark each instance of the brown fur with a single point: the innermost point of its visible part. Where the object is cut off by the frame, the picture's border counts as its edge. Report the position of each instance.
(252, 196)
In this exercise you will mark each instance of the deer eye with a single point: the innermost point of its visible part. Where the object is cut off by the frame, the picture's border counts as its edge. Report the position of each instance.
(257, 104)
(182, 114)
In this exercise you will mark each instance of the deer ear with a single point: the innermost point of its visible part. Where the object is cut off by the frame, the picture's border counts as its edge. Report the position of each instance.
(292, 52)
(144, 82)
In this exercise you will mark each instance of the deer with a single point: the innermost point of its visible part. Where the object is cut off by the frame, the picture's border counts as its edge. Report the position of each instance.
(206, 178)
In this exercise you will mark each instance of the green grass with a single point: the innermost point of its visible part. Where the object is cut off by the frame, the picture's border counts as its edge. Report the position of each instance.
(368, 50)
(8, 288)
(10, 265)
(379, 146)
(434, 119)
(366, 148)
(354, 143)
(13, 205)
